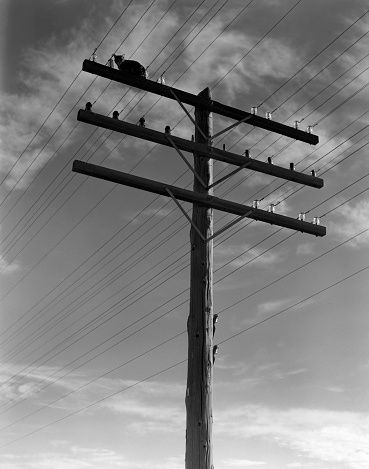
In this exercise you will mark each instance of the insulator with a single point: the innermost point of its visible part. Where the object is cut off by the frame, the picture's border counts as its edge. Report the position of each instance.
(268, 115)
(309, 129)
(161, 80)
(111, 62)
(292, 166)
(316, 221)
(94, 56)
(270, 161)
(88, 106)
(271, 208)
(142, 121)
(254, 110)
(296, 124)
(301, 216)
(115, 115)
(246, 153)
(255, 203)
(224, 148)
(192, 138)
(313, 172)
(167, 129)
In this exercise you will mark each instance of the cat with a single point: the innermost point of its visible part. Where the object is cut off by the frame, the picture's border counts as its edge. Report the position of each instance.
(130, 66)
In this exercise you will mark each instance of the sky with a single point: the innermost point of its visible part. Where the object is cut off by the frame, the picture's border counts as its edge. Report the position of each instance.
(95, 276)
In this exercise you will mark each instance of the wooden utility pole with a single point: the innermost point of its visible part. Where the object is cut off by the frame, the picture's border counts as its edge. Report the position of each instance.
(199, 450)
(200, 325)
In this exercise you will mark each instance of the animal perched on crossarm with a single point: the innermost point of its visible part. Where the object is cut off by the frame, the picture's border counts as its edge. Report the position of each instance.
(130, 66)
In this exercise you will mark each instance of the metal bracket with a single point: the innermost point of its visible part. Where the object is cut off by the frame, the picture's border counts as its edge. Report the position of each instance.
(189, 115)
(185, 214)
(230, 174)
(168, 137)
(231, 127)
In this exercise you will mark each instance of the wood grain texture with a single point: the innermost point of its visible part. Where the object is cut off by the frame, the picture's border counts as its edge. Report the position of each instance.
(199, 414)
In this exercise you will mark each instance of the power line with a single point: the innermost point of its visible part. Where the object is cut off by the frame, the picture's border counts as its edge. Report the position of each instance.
(97, 402)
(257, 43)
(68, 199)
(351, 238)
(177, 295)
(268, 318)
(136, 50)
(61, 98)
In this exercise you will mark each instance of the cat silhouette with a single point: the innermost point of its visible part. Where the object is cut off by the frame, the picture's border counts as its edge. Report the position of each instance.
(130, 66)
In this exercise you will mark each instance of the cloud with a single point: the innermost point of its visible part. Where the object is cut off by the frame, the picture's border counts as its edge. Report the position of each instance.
(77, 457)
(351, 220)
(268, 307)
(45, 73)
(273, 59)
(304, 249)
(8, 268)
(26, 384)
(153, 408)
(323, 435)
(246, 254)
(242, 463)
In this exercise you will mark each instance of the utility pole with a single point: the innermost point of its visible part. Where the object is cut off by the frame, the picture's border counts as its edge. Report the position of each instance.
(199, 422)
(200, 324)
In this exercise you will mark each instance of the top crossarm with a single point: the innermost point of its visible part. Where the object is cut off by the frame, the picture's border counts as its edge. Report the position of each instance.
(194, 100)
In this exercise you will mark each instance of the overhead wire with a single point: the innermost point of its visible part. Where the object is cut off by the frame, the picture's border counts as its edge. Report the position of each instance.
(233, 19)
(254, 258)
(309, 62)
(49, 185)
(351, 238)
(227, 339)
(157, 54)
(242, 10)
(289, 273)
(63, 95)
(217, 83)
(101, 93)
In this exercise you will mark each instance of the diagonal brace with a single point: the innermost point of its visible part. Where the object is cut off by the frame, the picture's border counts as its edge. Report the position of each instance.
(169, 138)
(217, 233)
(232, 173)
(228, 225)
(189, 115)
(185, 214)
(231, 126)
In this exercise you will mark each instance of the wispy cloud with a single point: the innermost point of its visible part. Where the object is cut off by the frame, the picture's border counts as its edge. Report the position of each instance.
(245, 254)
(79, 457)
(242, 463)
(323, 435)
(8, 267)
(349, 220)
(268, 307)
